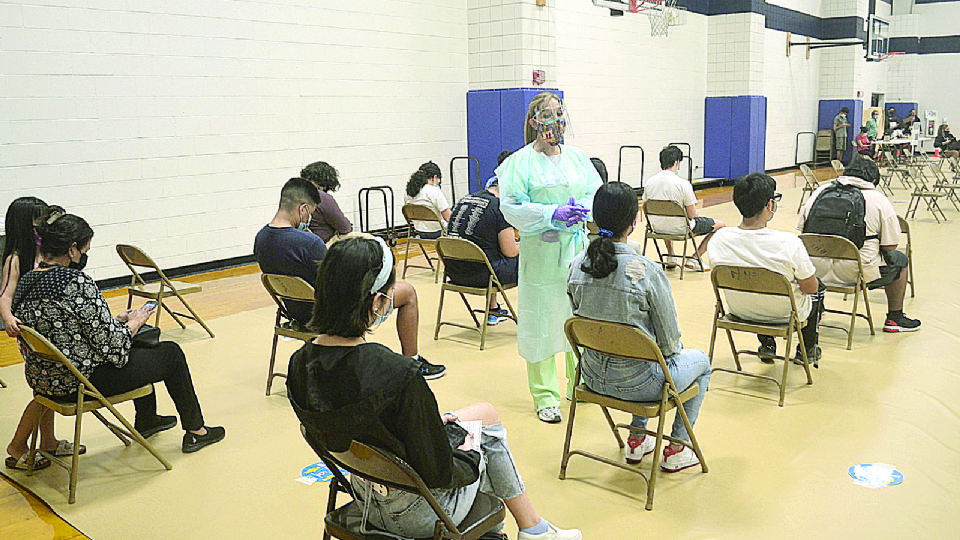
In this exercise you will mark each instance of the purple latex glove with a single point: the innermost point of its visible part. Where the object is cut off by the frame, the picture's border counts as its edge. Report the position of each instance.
(571, 213)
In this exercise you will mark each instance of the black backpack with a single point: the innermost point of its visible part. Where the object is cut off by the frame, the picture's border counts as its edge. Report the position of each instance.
(839, 210)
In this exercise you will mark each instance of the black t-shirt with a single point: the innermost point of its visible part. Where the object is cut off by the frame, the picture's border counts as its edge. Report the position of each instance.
(477, 217)
(290, 252)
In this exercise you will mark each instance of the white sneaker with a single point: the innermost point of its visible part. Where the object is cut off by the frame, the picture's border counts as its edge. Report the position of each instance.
(695, 265)
(638, 448)
(678, 460)
(550, 415)
(552, 533)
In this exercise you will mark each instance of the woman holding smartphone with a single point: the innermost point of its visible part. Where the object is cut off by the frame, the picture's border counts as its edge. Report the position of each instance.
(65, 306)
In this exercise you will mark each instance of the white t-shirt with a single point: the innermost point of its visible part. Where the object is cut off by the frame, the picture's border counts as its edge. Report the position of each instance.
(779, 251)
(881, 219)
(667, 186)
(430, 195)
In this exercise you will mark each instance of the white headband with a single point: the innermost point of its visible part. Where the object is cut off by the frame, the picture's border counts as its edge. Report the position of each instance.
(384, 274)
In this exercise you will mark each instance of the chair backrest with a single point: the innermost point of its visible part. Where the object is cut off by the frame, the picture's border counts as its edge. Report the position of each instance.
(751, 280)
(936, 173)
(904, 228)
(41, 347)
(664, 208)
(829, 246)
(134, 258)
(461, 249)
(837, 166)
(287, 287)
(420, 212)
(808, 176)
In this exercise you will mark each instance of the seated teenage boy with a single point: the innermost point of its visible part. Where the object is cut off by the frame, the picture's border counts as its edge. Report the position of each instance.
(477, 217)
(286, 247)
(754, 244)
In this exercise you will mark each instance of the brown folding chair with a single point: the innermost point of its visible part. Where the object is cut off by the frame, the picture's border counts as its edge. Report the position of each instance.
(827, 246)
(810, 184)
(923, 192)
(943, 184)
(157, 291)
(463, 250)
(419, 212)
(88, 399)
(388, 470)
(908, 250)
(895, 169)
(838, 167)
(757, 281)
(623, 341)
(670, 209)
(286, 289)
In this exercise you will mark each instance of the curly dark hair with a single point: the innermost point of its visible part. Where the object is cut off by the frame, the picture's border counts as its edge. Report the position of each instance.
(323, 175)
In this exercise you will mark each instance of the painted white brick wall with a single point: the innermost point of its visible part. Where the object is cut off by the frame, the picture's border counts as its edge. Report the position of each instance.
(508, 40)
(624, 87)
(172, 125)
(792, 87)
(735, 55)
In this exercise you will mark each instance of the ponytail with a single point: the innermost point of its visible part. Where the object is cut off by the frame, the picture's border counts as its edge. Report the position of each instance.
(416, 182)
(614, 210)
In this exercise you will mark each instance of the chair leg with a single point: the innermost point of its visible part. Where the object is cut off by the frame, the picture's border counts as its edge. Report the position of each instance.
(803, 354)
(486, 316)
(196, 317)
(566, 441)
(909, 267)
(273, 359)
(786, 366)
(683, 259)
(866, 304)
(118, 432)
(129, 299)
(32, 459)
(613, 426)
(853, 318)
(470, 310)
(406, 256)
(733, 348)
(693, 438)
(134, 433)
(172, 315)
(652, 481)
(436, 330)
(75, 459)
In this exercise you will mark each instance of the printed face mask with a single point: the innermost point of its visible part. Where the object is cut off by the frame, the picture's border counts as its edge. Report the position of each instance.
(552, 133)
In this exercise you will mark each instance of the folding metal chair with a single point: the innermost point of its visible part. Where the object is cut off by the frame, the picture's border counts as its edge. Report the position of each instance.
(419, 212)
(838, 167)
(623, 341)
(134, 258)
(463, 250)
(386, 469)
(757, 281)
(286, 289)
(810, 184)
(88, 399)
(908, 250)
(838, 248)
(943, 184)
(670, 209)
(922, 192)
(896, 170)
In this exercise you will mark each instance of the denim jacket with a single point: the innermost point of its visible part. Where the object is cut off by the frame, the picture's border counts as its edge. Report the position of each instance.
(637, 293)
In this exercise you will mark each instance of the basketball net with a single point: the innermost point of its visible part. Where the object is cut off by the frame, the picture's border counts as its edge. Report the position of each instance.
(662, 14)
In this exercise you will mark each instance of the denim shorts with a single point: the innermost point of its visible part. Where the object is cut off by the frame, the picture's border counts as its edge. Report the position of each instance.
(702, 225)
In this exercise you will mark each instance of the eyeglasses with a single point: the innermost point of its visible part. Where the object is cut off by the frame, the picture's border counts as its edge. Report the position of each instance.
(548, 116)
(776, 197)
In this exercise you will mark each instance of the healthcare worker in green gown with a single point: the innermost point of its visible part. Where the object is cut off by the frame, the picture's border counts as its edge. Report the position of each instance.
(546, 191)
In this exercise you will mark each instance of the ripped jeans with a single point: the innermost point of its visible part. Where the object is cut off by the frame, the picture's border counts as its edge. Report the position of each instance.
(410, 516)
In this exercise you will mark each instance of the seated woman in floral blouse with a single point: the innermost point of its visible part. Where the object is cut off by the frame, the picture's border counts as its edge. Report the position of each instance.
(65, 306)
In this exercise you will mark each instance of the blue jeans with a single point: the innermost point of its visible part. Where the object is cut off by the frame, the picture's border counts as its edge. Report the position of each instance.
(632, 380)
(409, 515)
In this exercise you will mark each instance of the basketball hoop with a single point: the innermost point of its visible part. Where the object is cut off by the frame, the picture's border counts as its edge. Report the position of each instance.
(662, 14)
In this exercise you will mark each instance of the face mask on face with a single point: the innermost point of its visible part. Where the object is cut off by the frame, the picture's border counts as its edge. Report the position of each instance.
(553, 132)
(305, 224)
(380, 319)
(81, 264)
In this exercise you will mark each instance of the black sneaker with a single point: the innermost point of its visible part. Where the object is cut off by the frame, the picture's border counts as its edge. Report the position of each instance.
(813, 356)
(767, 351)
(193, 442)
(431, 371)
(158, 424)
(901, 323)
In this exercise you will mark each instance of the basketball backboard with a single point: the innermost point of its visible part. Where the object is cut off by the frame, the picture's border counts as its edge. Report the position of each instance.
(878, 38)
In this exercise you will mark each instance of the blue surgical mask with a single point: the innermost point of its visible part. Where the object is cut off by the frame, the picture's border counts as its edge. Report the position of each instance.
(383, 318)
(304, 225)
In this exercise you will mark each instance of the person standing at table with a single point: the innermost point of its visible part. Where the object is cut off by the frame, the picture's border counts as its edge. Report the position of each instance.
(873, 126)
(546, 192)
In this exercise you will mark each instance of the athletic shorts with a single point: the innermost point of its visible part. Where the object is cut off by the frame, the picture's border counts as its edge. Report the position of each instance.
(895, 261)
(702, 225)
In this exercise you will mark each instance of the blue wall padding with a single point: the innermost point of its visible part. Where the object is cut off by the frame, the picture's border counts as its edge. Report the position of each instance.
(735, 136)
(495, 123)
(829, 109)
(902, 108)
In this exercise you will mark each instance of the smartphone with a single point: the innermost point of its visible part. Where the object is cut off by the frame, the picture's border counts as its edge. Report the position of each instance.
(150, 305)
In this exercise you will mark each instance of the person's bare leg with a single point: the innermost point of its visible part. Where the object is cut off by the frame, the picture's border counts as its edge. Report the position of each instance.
(408, 317)
(520, 507)
(31, 415)
(896, 291)
(702, 248)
